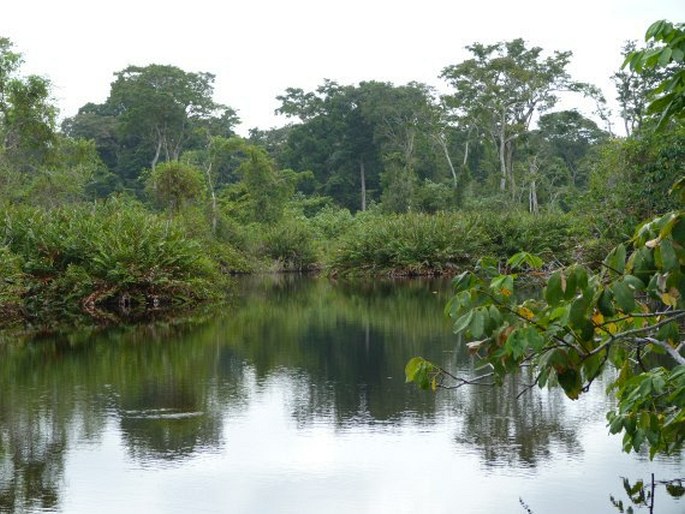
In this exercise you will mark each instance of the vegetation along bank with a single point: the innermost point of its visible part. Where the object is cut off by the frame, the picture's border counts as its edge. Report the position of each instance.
(150, 200)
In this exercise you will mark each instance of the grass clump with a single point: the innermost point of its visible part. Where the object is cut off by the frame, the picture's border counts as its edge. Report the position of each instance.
(424, 244)
(95, 257)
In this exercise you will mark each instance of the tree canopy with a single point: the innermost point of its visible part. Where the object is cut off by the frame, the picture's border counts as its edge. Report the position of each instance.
(153, 114)
(499, 90)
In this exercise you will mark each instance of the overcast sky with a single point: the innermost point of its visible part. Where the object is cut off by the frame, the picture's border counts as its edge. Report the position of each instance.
(258, 48)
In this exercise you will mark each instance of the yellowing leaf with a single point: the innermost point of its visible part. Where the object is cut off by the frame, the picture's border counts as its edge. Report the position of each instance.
(525, 312)
(669, 299)
(434, 384)
(597, 318)
(612, 328)
(505, 292)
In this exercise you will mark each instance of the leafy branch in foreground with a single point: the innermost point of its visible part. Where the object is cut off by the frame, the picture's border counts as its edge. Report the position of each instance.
(627, 316)
(667, 53)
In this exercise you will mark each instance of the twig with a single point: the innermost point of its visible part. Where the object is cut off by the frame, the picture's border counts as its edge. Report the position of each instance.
(624, 335)
(462, 381)
(669, 349)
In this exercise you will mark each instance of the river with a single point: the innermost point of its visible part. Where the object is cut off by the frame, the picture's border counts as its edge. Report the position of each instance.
(293, 400)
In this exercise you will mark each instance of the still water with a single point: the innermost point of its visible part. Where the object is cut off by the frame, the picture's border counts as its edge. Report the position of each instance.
(293, 401)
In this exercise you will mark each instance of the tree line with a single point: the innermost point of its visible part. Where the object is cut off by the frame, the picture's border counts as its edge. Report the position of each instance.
(352, 182)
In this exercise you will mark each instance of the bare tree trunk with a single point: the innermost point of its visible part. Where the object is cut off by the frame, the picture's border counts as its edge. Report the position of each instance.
(212, 194)
(509, 165)
(443, 144)
(155, 159)
(533, 206)
(362, 177)
(533, 198)
(502, 162)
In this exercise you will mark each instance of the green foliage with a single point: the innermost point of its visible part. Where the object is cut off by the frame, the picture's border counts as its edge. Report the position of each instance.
(553, 235)
(407, 244)
(330, 223)
(12, 285)
(668, 97)
(153, 114)
(497, 91)
(432, 197)
(441, 243)
(174, 185)
(27, 118)
(626, 316)
(291, 244)
(89, 257)
(631, 178)
(420, 244)
(350, 135)
(423, 373)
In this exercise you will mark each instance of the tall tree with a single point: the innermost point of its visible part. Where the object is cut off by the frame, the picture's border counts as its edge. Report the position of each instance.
(27, 116)
(569, 136)
(404, 124)
(633, 89)
(501, 88)
(349, 136)
(335, 141)
(153, 114)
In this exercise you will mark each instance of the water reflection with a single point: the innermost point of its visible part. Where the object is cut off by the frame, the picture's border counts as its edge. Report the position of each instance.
(329, 355)
(517, 431)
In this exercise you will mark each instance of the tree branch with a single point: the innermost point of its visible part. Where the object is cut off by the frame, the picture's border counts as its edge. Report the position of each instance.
(669, 349)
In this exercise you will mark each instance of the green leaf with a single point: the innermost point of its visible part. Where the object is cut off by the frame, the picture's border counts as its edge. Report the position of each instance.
(678, 55)
(554, 292)
(604, 303)
(668, 332)
(634, 283)
(624, 296)
(581, 276)
(462, 322)
(515, 344)
(615, 423)
(495, 316)
(421, 372)
(463, 281)
(666, 256)
(477, 325)
(503, 284)
(534, 339)
(616, 260)
(665, 56)
(412, 367)
(517, 260)
(592, 365)
(577, 314)
(570, 381)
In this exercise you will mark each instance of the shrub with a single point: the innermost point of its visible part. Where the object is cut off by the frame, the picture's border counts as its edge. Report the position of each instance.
(291, 243)
(411, 244)
(441, 243)
(90, 256)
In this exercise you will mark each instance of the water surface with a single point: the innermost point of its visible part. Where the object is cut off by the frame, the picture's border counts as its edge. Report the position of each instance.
(294, 401)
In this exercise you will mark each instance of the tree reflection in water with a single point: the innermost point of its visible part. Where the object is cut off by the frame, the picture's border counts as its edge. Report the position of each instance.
(516, 431)
(338, 349)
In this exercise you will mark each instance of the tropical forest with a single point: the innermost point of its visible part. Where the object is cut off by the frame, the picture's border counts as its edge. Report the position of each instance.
(458, 264)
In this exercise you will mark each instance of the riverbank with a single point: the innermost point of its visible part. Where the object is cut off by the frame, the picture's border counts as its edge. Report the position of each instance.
(113, 260)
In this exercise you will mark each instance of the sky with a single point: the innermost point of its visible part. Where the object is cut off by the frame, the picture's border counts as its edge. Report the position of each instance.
(258, 48)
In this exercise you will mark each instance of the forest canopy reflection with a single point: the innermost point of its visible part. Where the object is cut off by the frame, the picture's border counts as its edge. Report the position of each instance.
(335, 351)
